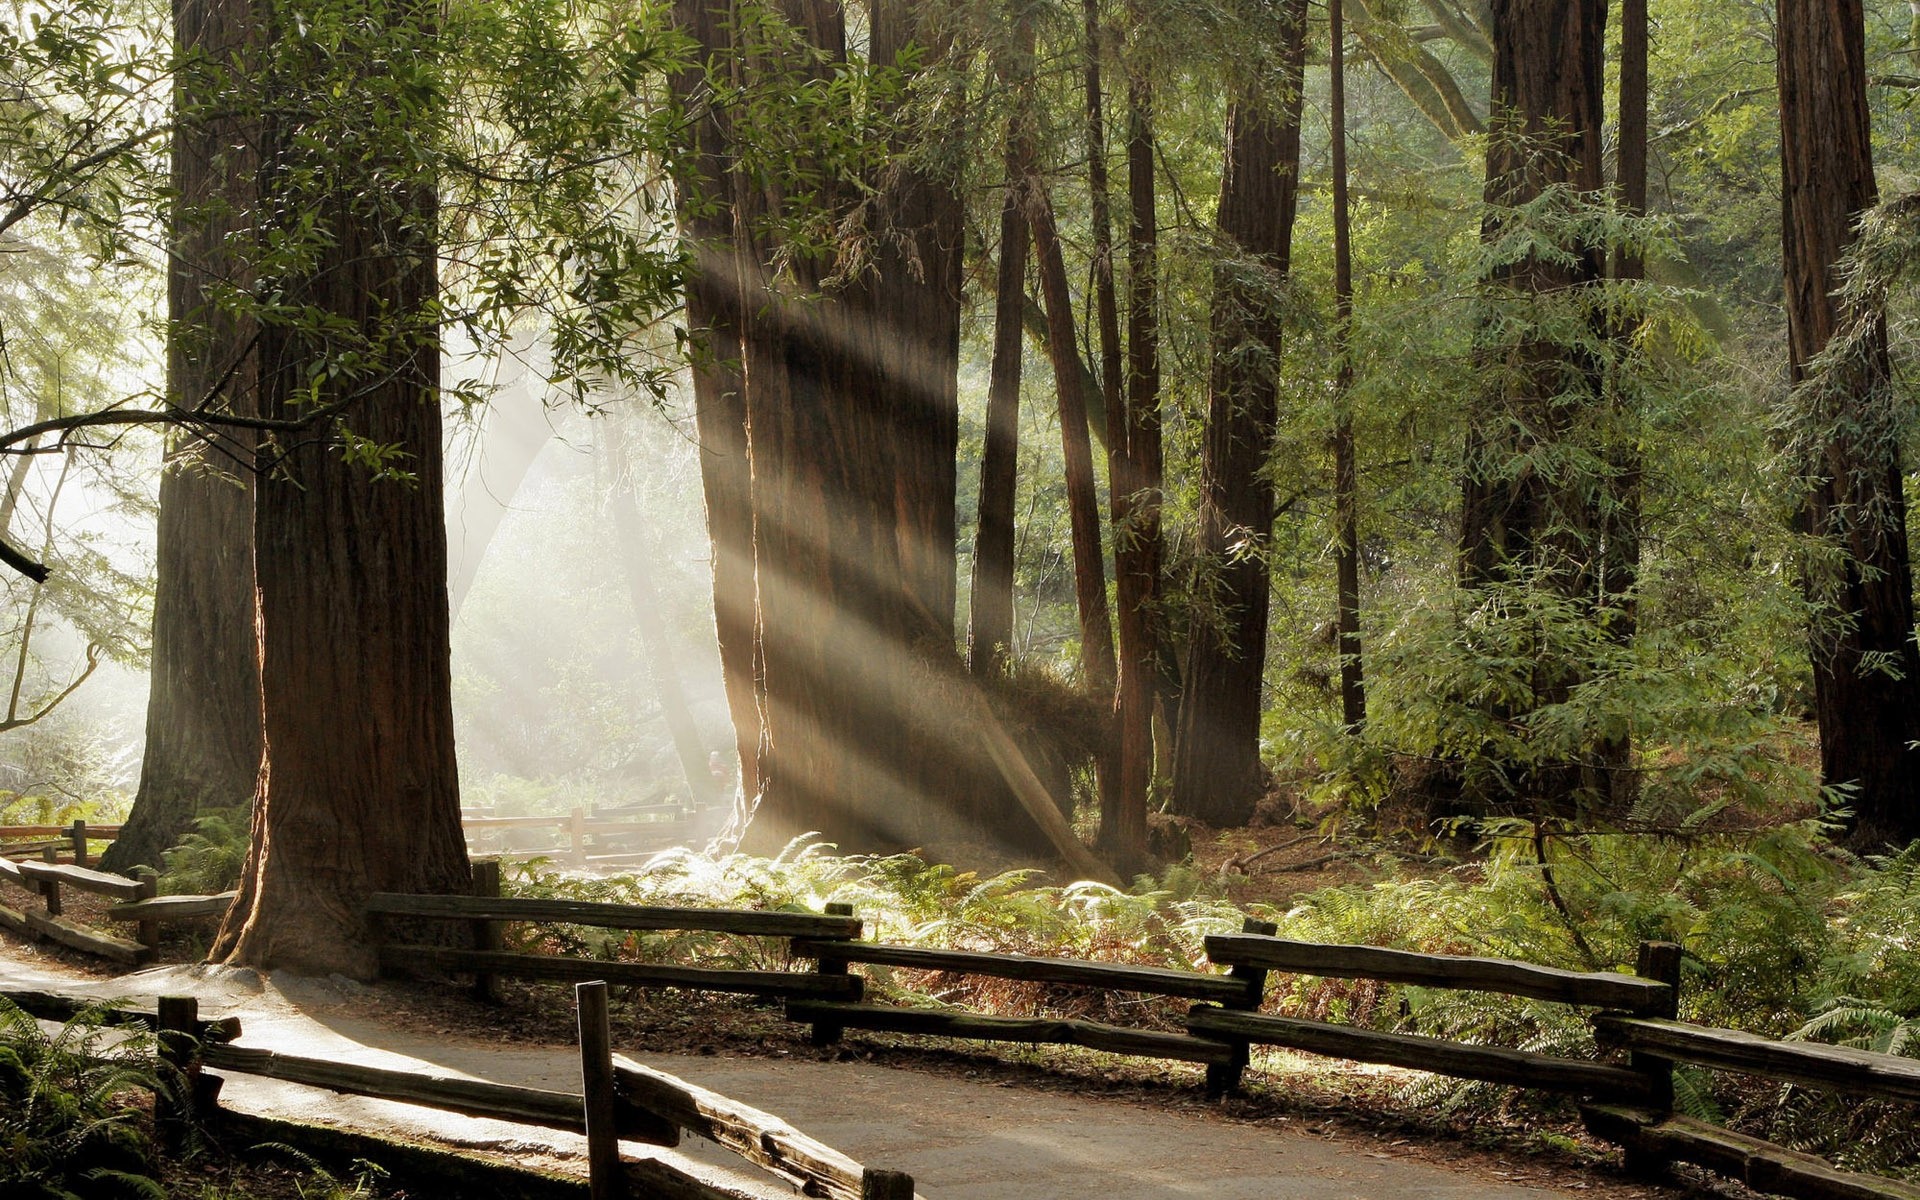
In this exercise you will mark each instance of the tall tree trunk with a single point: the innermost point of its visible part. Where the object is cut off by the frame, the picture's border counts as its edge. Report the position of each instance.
(663, 664)
(1123, 785)
(1620, 512)
(1538, 525)
(203, 699)
(358, 792)
(709, 197)
(991, 636)
(843, 630)
(1216, 775)
(1135, 478)
(1866, 669)
(1547, 102)
(1083, 503)
(1346, 500)
(915, 286)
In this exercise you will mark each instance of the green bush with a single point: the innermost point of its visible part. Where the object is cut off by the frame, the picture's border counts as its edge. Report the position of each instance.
(69, 1125)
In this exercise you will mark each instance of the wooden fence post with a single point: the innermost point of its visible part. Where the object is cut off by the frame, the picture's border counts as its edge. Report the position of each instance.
(1223, 1078)
(1658, 961)
(78, 835)
(878, 1184)
(147, 932)
(825, 1033)
(605, 1181)
(50, 888)
(487, 935)
(177, 1032)
(577, 829)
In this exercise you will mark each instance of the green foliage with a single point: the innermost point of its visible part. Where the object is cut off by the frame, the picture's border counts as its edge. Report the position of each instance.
(208, 860)
(68, 1124)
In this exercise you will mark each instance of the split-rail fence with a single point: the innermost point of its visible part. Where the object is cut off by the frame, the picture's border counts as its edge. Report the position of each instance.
(1627, 1100)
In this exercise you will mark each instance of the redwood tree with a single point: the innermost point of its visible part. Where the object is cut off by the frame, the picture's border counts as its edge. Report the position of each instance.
(1216, 773)
(203, 700)
(706, 204)
(1866, 669)
(358, 793)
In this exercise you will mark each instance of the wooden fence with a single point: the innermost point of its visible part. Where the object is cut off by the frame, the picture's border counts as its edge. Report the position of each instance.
(39, 841)
(582, 837)
(1627, 1101)
(619, 1100)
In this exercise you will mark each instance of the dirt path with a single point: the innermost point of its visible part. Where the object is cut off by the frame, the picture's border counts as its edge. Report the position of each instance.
(961, 1140)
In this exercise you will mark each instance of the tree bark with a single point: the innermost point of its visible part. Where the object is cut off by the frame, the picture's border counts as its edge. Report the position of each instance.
(203, 701)
(849, 738)
(1548, 93)
(915, 284)
(1346, 500)
(1135, 472)
(1217, 776)
(990, 639)
(1866, 669)
(358, 792)
(709, 199)
(1083, 504)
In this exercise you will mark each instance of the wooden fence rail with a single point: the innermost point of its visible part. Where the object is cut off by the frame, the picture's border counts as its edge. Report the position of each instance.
(1632, 1013)
(626, 1100)
(1627, 1102)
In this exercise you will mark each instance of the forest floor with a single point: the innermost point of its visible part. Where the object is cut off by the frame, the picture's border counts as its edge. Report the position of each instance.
(965, 1124)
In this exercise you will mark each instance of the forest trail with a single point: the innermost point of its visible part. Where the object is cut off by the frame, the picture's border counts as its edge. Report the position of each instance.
(961, 1140)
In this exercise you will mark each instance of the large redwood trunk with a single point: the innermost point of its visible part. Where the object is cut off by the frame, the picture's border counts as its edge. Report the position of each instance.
(1134, 477)
(707, 202)
(1076, 447)
(1216, 775)
(915, 301)
(1346, 499)
(358, 793)
(1546, 131)
(1869, 714)
(843, 399)
(990, 636)
(1538, 525)
(203, 700)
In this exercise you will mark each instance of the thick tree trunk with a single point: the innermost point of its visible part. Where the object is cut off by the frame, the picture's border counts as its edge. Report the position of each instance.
(708, 201)
(849, 738)
(1123, 786)
(1866, 670)
(1134, 475)
(203, 700)
(1216, 775)
(1547, 102)
(915, 286)
(1346, 500)
(990, 638)
(358, 792)
(1538, 525)
(1083, 503)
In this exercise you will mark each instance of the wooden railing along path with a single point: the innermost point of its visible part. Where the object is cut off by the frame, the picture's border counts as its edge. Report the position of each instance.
(619, 1100)
(1627, 1101)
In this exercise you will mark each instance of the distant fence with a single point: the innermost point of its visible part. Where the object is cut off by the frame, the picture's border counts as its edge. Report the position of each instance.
(619, 1100)
(584, 837)
(48, 842)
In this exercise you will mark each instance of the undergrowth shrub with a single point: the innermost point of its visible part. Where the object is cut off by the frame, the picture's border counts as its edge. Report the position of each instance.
(70, 1124)
(208, 860)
